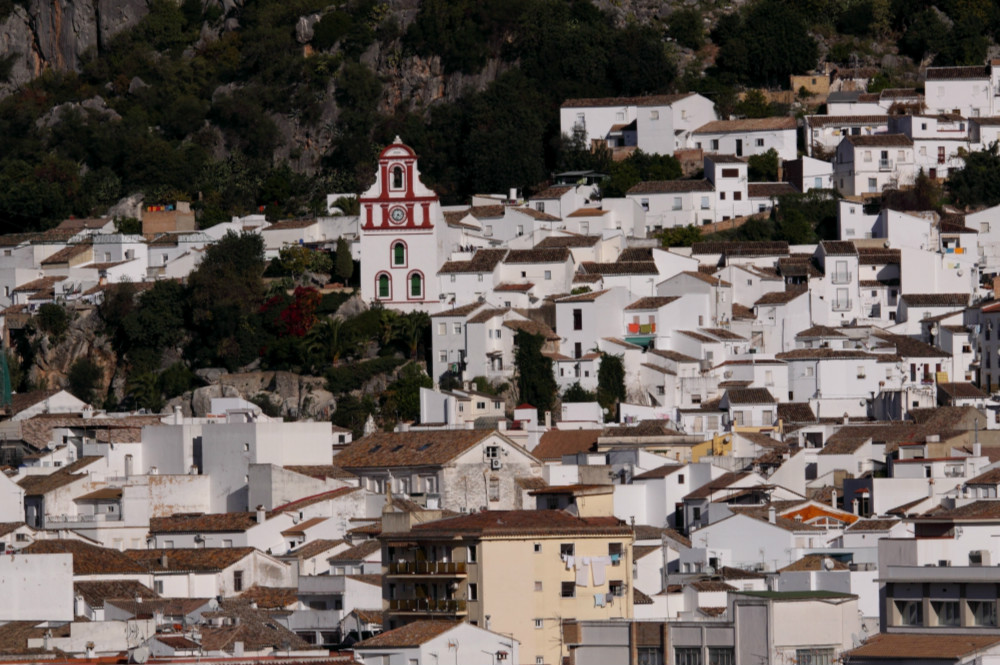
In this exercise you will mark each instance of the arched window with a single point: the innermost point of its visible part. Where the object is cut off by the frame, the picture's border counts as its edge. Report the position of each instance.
(416, 285)
(397, 177)
(399, 253)
(383, 286)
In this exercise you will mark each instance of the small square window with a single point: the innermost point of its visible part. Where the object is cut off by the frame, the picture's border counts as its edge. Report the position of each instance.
(538, 585)
(538, 623)
(568, 590)
(538, 547)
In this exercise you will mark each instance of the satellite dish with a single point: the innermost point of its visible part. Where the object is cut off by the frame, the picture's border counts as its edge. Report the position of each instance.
(710, 570)
(828, 563)
(140, 655)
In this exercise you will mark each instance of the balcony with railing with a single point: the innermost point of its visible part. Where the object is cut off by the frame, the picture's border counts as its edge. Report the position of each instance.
(427, 606)
(428, 568)
(885, 165)
(842, 305)
(841, 278)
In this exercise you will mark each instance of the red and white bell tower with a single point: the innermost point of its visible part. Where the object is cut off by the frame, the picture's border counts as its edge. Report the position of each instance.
(402, 234)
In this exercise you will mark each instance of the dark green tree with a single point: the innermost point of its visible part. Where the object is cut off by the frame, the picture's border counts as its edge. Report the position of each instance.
(687, 27)
(680, 236)
(763, 167)
(577, 393)
(536, 383)
(978, 182)
(343, 265)
(52, 319)
(402, 397)
(84, 378)
(227, 289)
(610, 384)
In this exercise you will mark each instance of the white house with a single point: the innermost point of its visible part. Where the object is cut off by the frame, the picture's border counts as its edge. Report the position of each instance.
(752, 136)
(869, 164)
(429, 641)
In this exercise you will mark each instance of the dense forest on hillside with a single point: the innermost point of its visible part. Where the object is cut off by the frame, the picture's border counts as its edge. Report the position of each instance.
(223, 108)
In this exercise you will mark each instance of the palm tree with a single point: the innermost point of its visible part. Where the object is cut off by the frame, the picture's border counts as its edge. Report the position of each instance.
(410, 330)
(327, 339)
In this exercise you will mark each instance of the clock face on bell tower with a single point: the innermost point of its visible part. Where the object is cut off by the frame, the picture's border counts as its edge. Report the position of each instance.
(397, 215)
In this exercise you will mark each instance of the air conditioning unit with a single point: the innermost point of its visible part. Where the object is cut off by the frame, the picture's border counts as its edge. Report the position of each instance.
(495, 464)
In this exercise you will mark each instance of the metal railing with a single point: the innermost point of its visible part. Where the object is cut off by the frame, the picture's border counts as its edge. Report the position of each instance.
(427, 568)
(427, 605)
(841, 305)
(884, 165)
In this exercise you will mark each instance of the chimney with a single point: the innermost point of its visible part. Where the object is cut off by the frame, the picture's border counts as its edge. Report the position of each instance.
(833, 498)
(261, 515)
(977, 449)
(501, 425)
(846, 419)
(512, 195)
(78, 606)
(772, 515)
(548, 419)
(930, 487)
(164, 560)
(128, 466)
(138, 598)
(854, 506)
(178, 415)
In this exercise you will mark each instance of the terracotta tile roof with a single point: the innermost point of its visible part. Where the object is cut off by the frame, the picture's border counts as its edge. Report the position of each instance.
(255, 628)
(582, 278)
(639, 598)
(977, 510)
(659, 472)
(96, 593)
(555, 443)
(484, 260)
(779, 297)
(271, 597)
(746, 125)
(106, 493)
(589, 296)
(636, 254)
(553, 192)
(409, 636)
(823, 354)
(302, 527)
(676, 356)
(846, 120)
(290, 224)
(178, 642)
(37, 431)
(750, 396)
(621, 268)
(299, 504)
(189, 559)
(970, 72)
(518, 288)
(568, 241)
(761, 513)
(708, 279)
(396, 449)
(68, 252)
(770, 190)
(723, 334)
(515, 523)
(462, 311)
(873, 525)
(742, 312)
(87, 559)
(369, 616)
(796, 412)
(370, 580)
(531, 482)
(671, 186)
(205, 523)
(963, 390)
(640, 551)
(40, 284)
(881, 140)
(712, 486)
(651, 302)
(814, 562)
(14, 636)
(532, 328)
(372, 529)
(359, 552)
(838, 248)
(711, 585)
(819, 332)
(908, 647)
(936, 299)
(315, 548)
(536, 214)
(8, 527)
(21, 401)
(878, 256)
(912, 348)
(543, 255)
(15, 239)
(649, 100)
(742, 248)
(65, 475)
(643, 428)
(321, 472)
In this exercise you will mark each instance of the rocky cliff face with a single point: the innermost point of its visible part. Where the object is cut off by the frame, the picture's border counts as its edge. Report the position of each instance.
(54, 34)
